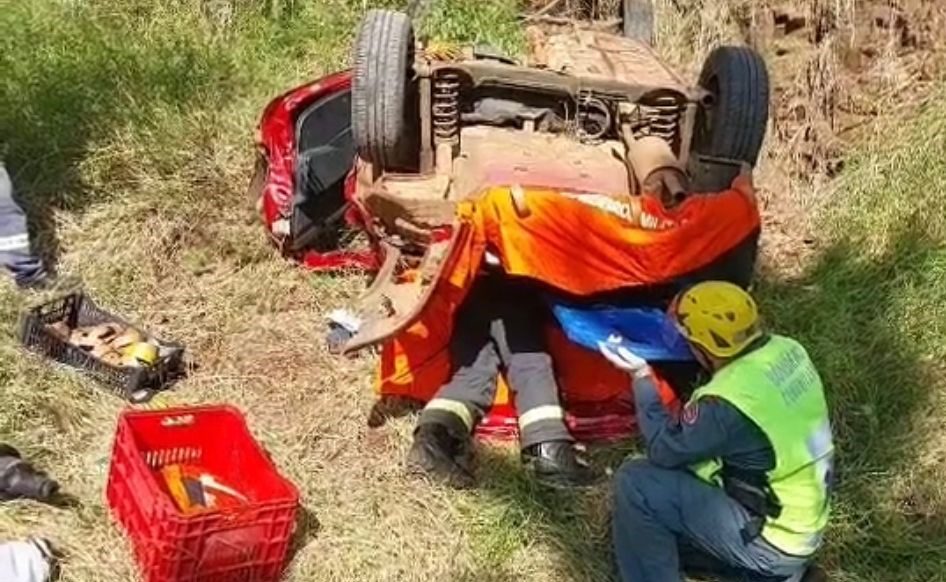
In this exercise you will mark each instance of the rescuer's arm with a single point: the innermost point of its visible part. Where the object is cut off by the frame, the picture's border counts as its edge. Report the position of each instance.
(701, 432)
(707, 429)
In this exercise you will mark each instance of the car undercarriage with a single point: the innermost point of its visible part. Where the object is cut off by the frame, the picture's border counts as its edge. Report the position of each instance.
(436, 153)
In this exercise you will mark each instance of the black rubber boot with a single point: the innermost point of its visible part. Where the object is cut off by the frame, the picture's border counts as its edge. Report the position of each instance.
(558, 464)
(441, 454)
(19, 479)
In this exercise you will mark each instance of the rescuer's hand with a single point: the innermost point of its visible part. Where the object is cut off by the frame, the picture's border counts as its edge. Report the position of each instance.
(616, 352)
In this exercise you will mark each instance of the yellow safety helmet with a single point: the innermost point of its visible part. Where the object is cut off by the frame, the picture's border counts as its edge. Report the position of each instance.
(718, 316)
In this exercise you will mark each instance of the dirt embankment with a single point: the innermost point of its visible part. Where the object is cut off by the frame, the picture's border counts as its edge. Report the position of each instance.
(840, 71)
(835, 70)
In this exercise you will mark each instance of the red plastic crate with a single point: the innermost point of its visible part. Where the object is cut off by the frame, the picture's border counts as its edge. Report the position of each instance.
(249, 544)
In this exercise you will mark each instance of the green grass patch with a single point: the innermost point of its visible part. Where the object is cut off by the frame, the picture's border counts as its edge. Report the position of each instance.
(510, 515)
(492, 22)
(872, 311)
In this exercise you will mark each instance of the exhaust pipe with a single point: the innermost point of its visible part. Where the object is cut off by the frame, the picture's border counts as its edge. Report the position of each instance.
(657, 169)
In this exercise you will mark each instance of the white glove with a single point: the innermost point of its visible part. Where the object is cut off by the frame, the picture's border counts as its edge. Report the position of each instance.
(623, 358)
(346, 319)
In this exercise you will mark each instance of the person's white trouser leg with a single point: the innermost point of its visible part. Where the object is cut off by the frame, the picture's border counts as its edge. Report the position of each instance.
(23, 562)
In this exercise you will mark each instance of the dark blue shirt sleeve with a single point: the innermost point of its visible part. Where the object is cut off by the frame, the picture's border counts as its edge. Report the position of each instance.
(708, 429)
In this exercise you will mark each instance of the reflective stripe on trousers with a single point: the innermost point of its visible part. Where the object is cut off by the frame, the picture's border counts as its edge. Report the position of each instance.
(501, 329)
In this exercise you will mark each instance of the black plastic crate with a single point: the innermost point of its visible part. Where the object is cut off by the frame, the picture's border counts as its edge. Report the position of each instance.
(78, 310)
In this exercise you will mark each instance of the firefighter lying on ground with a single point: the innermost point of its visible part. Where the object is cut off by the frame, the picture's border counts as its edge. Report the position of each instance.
(738, 485)
(499, 329)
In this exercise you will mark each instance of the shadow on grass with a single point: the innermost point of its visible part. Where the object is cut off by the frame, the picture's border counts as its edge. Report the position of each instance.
(510, 513)
(74, 78)
(849, 311)
(308, 527)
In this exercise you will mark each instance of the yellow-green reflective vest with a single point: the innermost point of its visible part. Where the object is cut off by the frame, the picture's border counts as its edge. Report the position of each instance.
(777, 387)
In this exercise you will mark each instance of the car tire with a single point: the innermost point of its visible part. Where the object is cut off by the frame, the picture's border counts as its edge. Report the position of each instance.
(733, 125)
(638, 20)
(384, 110)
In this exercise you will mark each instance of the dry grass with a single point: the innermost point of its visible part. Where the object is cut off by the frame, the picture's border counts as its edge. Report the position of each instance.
(129, 127)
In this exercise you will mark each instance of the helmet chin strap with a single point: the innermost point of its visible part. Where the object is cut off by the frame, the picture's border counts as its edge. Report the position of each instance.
(714, 363)
(708, 361)
(705, 360)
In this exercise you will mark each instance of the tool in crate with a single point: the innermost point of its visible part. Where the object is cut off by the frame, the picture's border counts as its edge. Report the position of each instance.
(196, 490)
(74, 331)
(111, 342)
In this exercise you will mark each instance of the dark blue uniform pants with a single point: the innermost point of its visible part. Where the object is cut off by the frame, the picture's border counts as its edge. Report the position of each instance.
(501, 328)
(667, 521)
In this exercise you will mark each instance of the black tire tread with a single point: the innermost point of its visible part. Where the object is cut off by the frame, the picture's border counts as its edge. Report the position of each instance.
(379, 86)
(741, 110)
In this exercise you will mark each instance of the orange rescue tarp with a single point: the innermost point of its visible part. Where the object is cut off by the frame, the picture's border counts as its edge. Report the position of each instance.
(573, 246)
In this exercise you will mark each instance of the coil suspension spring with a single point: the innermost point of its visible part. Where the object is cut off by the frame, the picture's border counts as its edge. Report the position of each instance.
(665, 117)
(445, 105)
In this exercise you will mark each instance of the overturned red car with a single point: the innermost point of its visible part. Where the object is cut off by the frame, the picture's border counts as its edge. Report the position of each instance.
(595, 171)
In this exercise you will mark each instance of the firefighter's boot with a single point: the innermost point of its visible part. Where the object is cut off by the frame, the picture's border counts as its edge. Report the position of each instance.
(559, 464)
(442, 453)
(19, 479)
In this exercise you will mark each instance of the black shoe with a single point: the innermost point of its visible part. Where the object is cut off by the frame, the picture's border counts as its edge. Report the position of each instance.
(38, 282)
(442, 455)
(558, 464)
(20, 479)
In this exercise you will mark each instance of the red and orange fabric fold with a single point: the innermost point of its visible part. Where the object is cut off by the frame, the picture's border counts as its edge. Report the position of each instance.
(579, 244)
